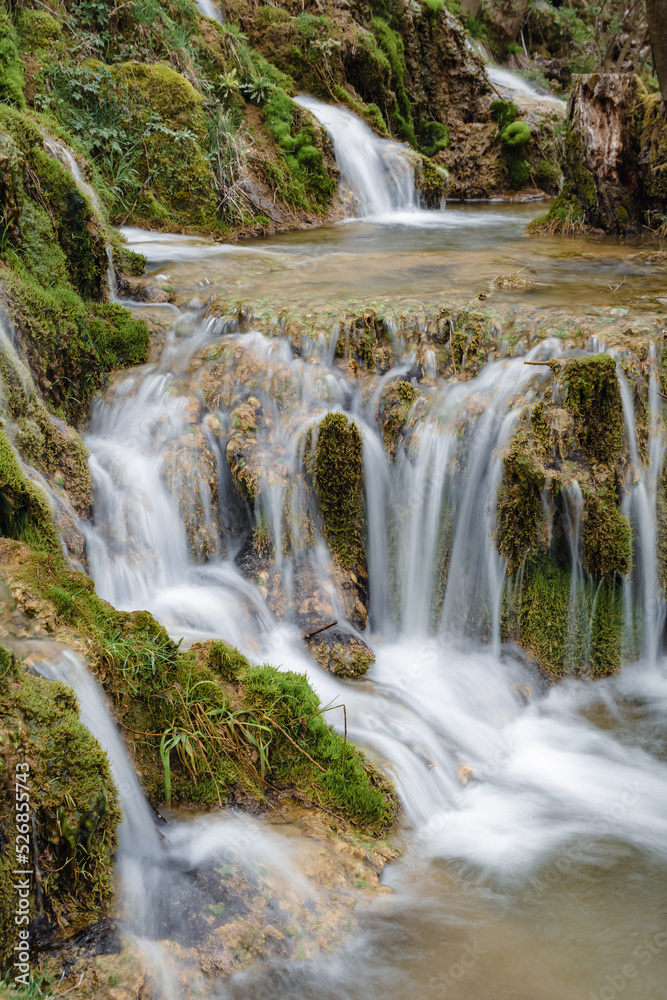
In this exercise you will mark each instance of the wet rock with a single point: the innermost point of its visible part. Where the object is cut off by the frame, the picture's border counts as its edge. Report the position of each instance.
(140, 291)
(340, 652)
(615, 150)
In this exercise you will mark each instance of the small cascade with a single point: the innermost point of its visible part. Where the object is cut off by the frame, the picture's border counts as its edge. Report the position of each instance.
(210, 9)
(515, 86)
(577, 619)
(440, 508)
(644, 601)
(379, 172)
(67, 158)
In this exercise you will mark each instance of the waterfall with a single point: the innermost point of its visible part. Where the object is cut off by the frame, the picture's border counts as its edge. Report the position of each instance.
(574, 507)
(209, 9)
(67, 158)
(643, 596)
(379, 172)
(517, 86)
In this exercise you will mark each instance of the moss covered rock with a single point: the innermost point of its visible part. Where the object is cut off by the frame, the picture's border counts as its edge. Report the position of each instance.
(73, 804)
(338, 475)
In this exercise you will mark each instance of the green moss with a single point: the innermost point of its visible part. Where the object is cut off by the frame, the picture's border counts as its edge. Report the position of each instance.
(311, 186)
(516, 134)
(565, 215)
(37, 29)
(72, 798)
(11, 67)
(205, 721)
(594, 400)
(435, 136)
(392, 45)
(339, 483)
(25, 514)
(349, 784)
(350, 659)
(395, 406)
(545, 623)
(520, 509)
(503, 113)
(606, 533)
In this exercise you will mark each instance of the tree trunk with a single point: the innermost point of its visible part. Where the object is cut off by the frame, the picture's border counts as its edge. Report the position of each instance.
(656, 11)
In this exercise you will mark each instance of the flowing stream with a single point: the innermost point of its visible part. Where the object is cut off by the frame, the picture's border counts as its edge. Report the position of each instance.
(535, 820)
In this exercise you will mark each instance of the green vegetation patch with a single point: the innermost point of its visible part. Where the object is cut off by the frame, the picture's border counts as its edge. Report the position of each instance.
(520, 509)
(588, 643)
(606, 532)
(72, 799)
(338, 474)
(594, 400)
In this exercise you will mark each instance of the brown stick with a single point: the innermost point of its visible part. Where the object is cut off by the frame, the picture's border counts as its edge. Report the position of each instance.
(294, 743)
(322, 628)
(538, 363)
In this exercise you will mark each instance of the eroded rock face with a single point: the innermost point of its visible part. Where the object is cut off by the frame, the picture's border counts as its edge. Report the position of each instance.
(615, 152)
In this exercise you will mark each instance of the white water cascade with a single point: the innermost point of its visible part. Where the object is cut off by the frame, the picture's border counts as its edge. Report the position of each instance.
(379, 172)
(644, 604)
(512, 85)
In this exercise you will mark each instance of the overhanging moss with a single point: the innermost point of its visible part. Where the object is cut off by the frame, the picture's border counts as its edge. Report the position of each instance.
(520, 507)
(606, 532)
(544, 621)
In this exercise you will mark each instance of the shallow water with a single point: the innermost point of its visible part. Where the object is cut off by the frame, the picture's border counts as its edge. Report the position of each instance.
(410, 258)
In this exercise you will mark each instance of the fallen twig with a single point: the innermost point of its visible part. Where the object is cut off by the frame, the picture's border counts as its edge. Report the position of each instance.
(322, 628)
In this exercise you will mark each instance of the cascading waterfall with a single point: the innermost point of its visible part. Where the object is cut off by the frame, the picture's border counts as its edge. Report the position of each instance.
(644, 602)
(379, 172)
(445, 716)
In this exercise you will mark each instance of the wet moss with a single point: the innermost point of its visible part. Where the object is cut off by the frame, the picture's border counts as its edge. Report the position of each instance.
(345, 659)
(565, 216)
(606, 533)
(544, 621)
(520, 508)
(594, 400)
(25, 514)
(203, 726)
(72, 799)
(286, 703)
(338, 474)
(395, 406)
(311, 186)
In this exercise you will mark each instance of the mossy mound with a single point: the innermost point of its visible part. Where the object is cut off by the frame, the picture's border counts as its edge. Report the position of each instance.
(338, 476)
(521, 511)
(72, 799)
(24, 512)
(341, 653)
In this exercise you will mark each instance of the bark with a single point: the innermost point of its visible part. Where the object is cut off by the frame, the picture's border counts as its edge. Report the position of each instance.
(656, 11)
